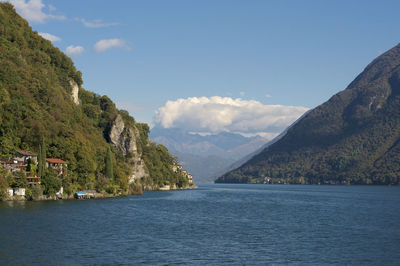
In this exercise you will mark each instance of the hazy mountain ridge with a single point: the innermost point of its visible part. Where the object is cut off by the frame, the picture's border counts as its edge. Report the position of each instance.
(352, 138)
(209, 156)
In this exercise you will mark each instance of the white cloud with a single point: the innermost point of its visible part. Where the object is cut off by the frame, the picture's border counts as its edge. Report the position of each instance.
(50, 37)
(104, 45)
(268, 95)
(32, 10)
(97, 23)
(74, 51)
(217, 114)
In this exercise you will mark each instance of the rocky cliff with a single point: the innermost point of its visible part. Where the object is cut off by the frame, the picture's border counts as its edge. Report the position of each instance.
(125, 139)
(75, 92)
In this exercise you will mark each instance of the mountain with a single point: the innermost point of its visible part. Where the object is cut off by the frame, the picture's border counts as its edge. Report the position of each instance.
(44, 107)
(209, 156)
(243, 160)
(353, 138)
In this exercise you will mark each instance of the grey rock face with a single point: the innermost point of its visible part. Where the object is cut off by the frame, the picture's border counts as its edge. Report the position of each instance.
(124, 139)
(75, 92)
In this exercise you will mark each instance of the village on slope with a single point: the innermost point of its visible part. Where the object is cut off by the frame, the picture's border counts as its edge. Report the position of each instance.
(26, 169)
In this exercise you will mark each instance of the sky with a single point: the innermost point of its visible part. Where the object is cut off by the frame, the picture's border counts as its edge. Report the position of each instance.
(251, 67)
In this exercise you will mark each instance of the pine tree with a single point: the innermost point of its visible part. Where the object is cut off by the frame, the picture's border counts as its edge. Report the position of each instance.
(41, 160)
(40, 172)
(109, 166)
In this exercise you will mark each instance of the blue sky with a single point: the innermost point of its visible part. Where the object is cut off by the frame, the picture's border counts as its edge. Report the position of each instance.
(289, 53)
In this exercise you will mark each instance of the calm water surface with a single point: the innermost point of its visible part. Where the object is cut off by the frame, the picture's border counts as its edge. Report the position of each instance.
(216, 224)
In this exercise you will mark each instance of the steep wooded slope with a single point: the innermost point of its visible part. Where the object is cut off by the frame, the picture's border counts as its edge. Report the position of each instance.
(352, 138)
(38, 106)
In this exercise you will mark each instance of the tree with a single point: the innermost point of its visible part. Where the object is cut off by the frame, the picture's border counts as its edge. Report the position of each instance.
(31, 166)
(3, 188)
(109, 166)
(42, 160)
(50, 182)
(17, 180)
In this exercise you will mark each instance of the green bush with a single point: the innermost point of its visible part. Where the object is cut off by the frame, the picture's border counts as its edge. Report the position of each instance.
(37, 192)
(50, 182)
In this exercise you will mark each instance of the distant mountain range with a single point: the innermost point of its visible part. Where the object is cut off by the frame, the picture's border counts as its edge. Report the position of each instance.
(353, 138)
(209, 156)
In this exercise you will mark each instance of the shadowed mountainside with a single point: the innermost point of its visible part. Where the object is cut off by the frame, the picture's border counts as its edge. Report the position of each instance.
(354, 137)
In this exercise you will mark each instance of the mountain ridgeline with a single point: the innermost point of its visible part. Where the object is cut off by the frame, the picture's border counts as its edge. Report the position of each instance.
(42, 103)
(209, 156)
(353, 138)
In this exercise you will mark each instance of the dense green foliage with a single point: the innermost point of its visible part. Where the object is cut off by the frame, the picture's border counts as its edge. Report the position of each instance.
(41, 160)
(354, 138)
(37, 113)
(158, 160)
(109, 167)
(50, 182)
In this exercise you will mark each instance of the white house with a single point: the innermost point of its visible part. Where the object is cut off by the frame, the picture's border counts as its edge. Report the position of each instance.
(19, 191)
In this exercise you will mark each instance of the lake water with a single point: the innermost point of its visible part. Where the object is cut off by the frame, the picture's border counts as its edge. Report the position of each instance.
(215, 224)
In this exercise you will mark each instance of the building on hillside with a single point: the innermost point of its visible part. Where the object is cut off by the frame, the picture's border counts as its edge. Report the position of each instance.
(176, 167)
(19, 161)
(12, 165)
(19, 191)
(190, 177)
(57, 164)
(23, 156)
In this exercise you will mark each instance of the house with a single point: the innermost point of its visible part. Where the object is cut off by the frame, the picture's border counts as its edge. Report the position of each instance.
(19, 161)
(176, 167)
(267, 180)
(23, 156)
(19, 191)
(10, 192)
(12, 165)
(190, 177)
(59, 165)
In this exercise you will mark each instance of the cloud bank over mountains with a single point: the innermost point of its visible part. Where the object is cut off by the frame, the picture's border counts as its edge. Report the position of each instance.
(223, 114)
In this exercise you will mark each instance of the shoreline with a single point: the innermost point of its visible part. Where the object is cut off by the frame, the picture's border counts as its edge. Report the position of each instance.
(96, 195)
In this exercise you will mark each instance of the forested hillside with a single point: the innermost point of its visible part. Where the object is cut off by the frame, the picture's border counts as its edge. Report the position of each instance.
(38, 109)
(354, 138)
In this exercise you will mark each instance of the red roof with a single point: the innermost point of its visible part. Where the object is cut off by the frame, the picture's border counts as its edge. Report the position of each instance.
(55, 160)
